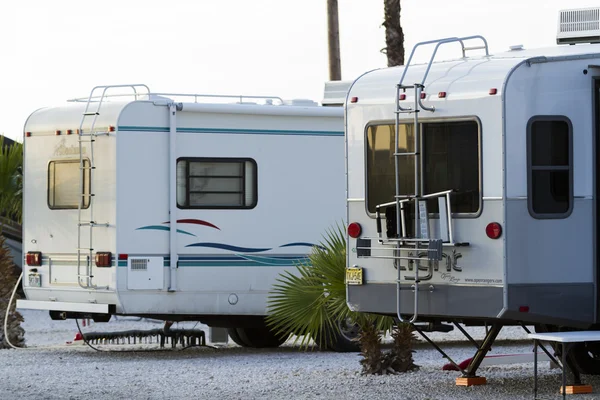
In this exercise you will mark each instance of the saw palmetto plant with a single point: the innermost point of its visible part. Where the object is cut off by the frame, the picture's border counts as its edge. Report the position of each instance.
(311, 304)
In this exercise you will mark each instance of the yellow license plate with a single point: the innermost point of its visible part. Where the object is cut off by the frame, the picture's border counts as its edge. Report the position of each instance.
(354, 276)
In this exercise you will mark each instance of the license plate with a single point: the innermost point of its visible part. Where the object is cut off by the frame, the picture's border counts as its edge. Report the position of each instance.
(354, 276)
(35, 280)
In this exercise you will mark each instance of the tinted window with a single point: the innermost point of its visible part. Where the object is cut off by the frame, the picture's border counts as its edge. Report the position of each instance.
(380, 163)
(550, 167)
(451, 161)
(216, 183)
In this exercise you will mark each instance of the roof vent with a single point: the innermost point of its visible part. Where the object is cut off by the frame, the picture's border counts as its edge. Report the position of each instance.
(335, 93)
(579, 26)
(300, 102)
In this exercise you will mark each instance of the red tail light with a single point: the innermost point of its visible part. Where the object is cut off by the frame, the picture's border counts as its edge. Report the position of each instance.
(34, 258)
(103, 259)
(354, 230)
(123, 257)
(493, 230)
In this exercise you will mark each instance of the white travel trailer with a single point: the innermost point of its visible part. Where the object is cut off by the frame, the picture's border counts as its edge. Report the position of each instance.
(136, 204)
(473, 187)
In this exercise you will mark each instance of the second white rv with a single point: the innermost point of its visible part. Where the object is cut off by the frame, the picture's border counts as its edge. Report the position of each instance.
(142, 205)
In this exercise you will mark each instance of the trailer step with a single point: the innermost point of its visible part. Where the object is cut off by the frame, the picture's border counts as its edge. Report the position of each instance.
(185, 337)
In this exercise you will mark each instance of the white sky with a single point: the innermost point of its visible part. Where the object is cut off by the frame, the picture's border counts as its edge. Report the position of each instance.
(54, 50)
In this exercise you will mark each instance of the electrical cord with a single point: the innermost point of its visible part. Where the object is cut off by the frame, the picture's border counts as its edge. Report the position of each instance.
(10, 301)
(12, 297)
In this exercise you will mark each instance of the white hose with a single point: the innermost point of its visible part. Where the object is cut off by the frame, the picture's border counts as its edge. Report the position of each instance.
(12, 297)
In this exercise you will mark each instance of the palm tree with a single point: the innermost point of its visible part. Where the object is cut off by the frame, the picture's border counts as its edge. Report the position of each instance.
(394, 36)
(11, 185)
(11, 180)
(311, 304)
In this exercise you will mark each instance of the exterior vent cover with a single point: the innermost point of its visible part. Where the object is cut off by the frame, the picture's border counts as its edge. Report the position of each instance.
(579, 26)
(139, 264)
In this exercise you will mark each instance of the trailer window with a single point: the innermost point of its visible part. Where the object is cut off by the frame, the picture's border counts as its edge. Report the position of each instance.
(550, 172)
(381, 164)
(450, 161)
(216, 183)
(64, 190)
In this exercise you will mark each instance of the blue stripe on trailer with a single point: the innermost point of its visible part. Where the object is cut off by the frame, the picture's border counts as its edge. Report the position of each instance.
(129, 128)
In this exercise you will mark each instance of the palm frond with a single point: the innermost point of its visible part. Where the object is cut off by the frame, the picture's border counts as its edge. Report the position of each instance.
(310, 302)
(11, 180)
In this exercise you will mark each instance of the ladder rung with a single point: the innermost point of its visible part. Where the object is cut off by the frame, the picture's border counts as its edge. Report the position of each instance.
(87, 141)
(87, 167)
(406, 196)
(87, 195)
(84, 248)
(407, 154)
(91, 113)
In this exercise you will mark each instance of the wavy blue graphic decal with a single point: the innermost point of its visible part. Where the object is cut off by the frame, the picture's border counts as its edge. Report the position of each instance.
(275, 261)
(163, 228)
(303, 244)
(223, 246)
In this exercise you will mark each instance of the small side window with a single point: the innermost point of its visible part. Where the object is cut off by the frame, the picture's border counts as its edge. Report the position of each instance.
(216, 183)
(550, 167)
(64, 185)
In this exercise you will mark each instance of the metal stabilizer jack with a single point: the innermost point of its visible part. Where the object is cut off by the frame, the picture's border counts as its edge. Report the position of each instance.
(482, 349)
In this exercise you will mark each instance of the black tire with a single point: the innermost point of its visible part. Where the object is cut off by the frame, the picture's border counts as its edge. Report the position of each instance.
(235, 336)
(584, 356)
(343, 340)
(259, 338)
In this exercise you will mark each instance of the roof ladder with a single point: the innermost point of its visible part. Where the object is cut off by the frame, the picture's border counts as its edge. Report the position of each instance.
(417, 195)
(86, 169)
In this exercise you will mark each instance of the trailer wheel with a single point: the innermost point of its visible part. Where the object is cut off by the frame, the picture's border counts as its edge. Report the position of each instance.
(585, 356)
(344, 339)
(261, 337)
(235, 336)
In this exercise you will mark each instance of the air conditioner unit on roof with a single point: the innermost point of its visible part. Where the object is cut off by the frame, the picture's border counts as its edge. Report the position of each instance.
(579, 26)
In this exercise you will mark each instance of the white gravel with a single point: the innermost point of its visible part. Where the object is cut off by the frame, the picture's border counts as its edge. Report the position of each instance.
(49, 369)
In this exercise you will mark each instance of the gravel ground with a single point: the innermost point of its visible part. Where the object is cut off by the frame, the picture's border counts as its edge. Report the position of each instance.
(48, 369)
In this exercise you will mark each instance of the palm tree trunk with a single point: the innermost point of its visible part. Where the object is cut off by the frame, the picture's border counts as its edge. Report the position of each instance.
(394, 37)
(333, 28)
